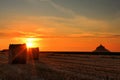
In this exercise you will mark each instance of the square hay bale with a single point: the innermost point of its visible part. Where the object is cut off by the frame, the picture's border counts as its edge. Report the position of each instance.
(34, 53)
(17, 54)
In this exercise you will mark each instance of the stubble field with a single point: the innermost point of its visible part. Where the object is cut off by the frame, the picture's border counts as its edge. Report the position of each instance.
(63, 67)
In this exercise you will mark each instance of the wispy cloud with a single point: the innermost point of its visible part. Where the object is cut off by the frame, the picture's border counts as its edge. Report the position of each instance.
(21, 34)
(58, 27)
(94, 35)
(59, 7)
(62, 9)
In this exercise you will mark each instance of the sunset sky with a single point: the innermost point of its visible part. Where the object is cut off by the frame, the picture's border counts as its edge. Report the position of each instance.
(61, 25)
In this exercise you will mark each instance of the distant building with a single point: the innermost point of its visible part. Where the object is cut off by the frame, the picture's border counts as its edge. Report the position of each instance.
(17, 54)
(34, 53)
(101, 48)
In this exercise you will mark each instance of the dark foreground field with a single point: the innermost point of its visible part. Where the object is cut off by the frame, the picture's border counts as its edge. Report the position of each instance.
(56, 66)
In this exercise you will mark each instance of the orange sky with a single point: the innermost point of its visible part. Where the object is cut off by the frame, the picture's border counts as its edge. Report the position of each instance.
(61, 25)
(54, 36)
(67, 44)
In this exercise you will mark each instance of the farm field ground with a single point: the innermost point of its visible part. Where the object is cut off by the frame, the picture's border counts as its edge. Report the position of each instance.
(52, 66)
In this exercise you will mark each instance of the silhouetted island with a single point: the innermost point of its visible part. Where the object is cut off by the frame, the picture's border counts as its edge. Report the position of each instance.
(101, 48)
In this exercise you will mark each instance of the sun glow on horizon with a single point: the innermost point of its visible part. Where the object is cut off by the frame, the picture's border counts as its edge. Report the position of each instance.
(29, 45)
(31, 42)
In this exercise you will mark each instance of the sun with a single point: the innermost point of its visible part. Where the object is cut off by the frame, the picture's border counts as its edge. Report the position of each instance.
(29, 45)
(30, 42)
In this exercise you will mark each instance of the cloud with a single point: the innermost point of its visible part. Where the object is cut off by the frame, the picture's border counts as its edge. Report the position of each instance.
(114, 36)
(59, 7)
(21, 34)
(10, 34)
(77, 24)
(62, 9)
(58, 27)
